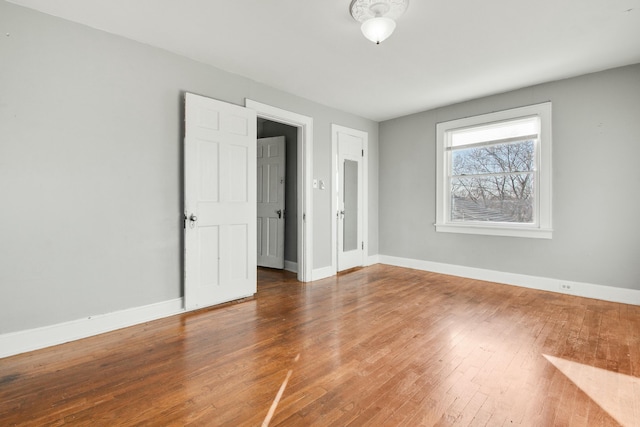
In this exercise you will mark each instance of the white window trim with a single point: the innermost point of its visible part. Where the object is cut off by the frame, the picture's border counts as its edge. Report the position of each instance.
(542, 227)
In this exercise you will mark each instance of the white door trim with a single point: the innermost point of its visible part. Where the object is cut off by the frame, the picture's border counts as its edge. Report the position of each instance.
(305, 162)
(335, 130)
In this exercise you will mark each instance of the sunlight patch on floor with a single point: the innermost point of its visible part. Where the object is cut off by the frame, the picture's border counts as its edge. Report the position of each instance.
(274, 405)
(617, 394)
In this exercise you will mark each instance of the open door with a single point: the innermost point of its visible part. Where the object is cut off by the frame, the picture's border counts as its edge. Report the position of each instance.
(271, 195)
(220, 202)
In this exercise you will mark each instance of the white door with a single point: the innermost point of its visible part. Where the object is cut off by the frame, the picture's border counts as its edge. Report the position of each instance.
(271, 215)
(220, 202)
(350, 195)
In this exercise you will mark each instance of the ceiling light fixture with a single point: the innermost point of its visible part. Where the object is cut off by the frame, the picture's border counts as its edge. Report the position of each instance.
(377, 17)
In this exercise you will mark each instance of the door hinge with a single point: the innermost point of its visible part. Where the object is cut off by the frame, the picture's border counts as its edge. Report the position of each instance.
(362, 153)
(363, 246)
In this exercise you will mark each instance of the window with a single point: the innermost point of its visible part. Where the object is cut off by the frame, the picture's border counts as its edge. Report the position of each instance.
(494, 173)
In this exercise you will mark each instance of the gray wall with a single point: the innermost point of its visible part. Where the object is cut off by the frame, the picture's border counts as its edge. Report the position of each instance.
(596, 182)
(90, 168)
(266, 129)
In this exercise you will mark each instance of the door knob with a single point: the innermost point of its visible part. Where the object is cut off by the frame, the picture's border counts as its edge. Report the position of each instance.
(279, 212)
(192, 220)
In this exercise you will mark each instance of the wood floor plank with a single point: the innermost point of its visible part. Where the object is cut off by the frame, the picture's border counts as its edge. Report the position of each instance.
(377, 346)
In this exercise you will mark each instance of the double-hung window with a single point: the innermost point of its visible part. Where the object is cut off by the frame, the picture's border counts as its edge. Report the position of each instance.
(494, 173)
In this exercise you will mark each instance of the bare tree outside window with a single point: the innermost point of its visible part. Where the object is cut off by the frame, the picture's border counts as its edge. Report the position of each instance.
(494, 182)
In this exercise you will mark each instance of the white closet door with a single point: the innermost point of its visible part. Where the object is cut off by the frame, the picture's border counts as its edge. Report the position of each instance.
(350, 195)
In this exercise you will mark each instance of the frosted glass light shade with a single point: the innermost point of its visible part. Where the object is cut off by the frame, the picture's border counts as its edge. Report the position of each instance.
(378, 29)
(377, 17)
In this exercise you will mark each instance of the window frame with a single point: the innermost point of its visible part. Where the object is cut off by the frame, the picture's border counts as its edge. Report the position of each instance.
(541, 227)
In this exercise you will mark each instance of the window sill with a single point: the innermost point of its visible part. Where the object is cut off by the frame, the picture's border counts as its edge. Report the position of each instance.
(529, 232)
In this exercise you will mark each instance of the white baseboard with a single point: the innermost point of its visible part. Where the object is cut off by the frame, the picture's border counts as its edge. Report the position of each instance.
(33, 339)
(587, 290)
(291, 266)
(372, 259)
(323, 273)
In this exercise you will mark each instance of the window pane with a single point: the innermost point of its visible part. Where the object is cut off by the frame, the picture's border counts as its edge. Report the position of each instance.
(507, 198)
(495, 131)
(501, 158)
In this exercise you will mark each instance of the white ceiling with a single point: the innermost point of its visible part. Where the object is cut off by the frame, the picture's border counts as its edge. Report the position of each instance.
(443, 51)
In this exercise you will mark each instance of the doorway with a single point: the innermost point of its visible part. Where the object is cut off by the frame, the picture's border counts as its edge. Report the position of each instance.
(303, 223)
(277, 195)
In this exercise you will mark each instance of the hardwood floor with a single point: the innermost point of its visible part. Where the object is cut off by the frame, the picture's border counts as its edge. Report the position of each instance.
(379, 346)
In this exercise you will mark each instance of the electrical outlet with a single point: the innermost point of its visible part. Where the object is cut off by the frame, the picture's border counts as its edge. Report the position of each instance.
(566, 287)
